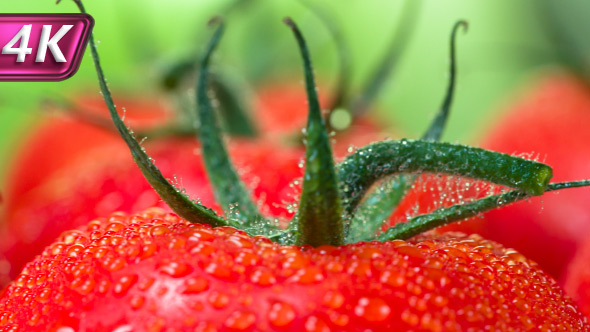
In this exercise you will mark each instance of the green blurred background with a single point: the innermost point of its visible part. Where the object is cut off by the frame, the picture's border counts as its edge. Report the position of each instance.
(509, 44)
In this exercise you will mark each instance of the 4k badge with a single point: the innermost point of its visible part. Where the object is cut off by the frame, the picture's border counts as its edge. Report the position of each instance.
(42, 47)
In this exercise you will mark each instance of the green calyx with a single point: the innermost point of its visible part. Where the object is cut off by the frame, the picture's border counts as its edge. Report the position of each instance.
(229, 190)
(331, 193)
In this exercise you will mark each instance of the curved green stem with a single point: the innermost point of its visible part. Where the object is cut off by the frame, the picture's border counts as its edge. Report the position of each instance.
(375, 161)
(444, 216)
(228, 187)
(179, 202)
(434, 132)
(178, 71)
(319, 219)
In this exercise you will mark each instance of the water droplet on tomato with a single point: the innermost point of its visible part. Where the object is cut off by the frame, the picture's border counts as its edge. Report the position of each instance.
(123, 285)
(240, 320)
(314, 324)
(159, 230)
(333, 299)
(281, 314)
(372, 309)
(175, 269)
(65, 329)
(308, 275)
(218, 299)
(218, 270)
(136, 302)
(195, 285)
(263, 277)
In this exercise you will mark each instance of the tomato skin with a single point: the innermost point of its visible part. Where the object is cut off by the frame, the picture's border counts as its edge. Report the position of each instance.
(153, 270)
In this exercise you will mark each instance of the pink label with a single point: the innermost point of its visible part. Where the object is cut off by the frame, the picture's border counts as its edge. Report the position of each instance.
(42, 47)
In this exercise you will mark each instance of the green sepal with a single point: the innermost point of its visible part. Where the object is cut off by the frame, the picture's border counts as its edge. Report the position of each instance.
(319, 218)
(444, 216)
(360, 170)
(375, 208)
(178, 201)
(434, 131)
(229, 189)
(340, 92)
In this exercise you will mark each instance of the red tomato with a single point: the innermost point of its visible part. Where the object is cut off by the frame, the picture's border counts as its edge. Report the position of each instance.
(154, 271)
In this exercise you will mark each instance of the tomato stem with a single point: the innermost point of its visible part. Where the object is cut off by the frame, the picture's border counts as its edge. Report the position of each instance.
(319, 219)
(179, 202)
(444, 216)
(228, 187)
(365, 166)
